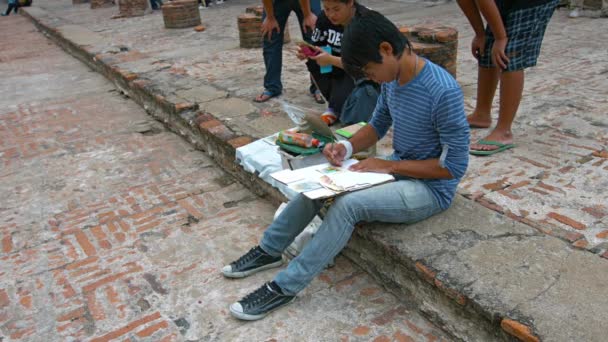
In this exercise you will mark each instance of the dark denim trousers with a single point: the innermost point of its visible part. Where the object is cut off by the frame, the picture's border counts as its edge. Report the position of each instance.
(273, 47)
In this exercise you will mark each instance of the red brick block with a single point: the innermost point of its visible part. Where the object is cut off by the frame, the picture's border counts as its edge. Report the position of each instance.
(581, 244)
(602, 235)
(427, 273)
(127, 328)
(499, 185)
(132, 8)
(4, 300)
(240, 141)
(518, 330)
(601, 154)
(435, 42)
(451, 293)
(101, 3)
(181, 14)
(152, 329)
(597, 211)
(209, 124)
(7, 243)
(566, 220)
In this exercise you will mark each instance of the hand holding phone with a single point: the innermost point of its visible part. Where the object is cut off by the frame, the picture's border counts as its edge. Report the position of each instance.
(308, 51)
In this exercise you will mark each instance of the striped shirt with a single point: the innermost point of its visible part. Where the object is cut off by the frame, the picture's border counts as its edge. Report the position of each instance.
(428, 121)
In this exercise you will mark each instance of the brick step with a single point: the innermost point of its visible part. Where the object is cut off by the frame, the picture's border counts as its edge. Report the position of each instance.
(477, 274)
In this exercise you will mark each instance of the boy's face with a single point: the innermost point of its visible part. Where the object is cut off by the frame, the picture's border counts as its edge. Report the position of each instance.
(338, 12)
(387, 70)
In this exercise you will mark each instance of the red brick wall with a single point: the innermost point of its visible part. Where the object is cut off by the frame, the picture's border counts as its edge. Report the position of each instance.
(250, 27)
(181, 14)
(435, 42)
(101, 3)
(132, 8)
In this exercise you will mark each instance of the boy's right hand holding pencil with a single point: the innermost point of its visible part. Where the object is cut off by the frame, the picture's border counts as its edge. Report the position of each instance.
(335, 153)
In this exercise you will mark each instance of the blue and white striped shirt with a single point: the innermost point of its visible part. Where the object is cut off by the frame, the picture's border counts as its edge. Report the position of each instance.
(429, 122)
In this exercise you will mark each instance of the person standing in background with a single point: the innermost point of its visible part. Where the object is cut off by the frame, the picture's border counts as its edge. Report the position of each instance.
(509, 44)
(276, 13)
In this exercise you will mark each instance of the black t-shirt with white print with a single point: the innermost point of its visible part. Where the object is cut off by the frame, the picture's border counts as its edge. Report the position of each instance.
(326, 33)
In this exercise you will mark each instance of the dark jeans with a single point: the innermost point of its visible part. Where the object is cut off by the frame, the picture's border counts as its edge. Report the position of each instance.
(14, 7)
(156, 4)
(273, 48)
(335, 86)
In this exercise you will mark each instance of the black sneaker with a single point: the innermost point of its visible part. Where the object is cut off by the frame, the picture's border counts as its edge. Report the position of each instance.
(260, 302)
(254, 261)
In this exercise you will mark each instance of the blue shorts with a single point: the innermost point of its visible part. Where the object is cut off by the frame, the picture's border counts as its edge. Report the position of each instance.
(525, 29)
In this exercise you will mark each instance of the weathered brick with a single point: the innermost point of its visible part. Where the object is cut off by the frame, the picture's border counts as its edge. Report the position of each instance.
(152, 329)
(4, 300)
(361, 330)
(581, 244)
(567, 221)
(499, 185)
(427, 273)
(451, 293)
(518, 330)
(598, 211)
(603, 234)
(132, 8)
(127, 328)
(7, 243)
(240, 141)
(181, 14)
(101, 3)
(85, 244)
(72, 315)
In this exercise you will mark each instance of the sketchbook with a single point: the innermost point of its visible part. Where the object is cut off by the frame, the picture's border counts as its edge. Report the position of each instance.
(325, 180)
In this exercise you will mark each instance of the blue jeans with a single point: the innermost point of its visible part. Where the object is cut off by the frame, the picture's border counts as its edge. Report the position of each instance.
(273, 48)
(404, 201)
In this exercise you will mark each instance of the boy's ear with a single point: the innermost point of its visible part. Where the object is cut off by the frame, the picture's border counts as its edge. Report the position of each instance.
(386, 49)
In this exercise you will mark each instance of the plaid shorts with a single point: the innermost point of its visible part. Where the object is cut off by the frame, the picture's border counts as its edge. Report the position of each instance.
(525, 29)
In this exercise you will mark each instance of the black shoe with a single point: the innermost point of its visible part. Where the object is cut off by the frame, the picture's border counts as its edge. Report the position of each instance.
(260, 302)
(254, 261)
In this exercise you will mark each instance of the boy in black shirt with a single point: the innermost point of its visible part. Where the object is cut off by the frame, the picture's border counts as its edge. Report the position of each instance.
(326, 67)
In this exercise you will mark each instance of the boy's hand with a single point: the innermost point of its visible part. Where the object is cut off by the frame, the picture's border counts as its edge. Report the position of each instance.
(269, 25)
(300, 54)
(478, 45)
(323, 58)
(372, 165)
(309, 22)
(499, 58)
(334, 153)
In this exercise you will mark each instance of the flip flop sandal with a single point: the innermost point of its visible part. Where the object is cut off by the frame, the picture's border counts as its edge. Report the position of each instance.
(318, 97)
(501, 147)
(268, 95)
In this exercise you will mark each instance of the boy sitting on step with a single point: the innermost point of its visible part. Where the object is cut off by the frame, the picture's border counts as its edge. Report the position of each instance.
(424, 104)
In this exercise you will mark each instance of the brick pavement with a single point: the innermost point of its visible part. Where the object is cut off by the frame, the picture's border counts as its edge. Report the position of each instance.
(112, 228)
(553, 180)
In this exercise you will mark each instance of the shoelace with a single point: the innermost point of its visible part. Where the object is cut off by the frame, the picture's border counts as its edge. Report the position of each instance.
(246, 258)
(258, 296)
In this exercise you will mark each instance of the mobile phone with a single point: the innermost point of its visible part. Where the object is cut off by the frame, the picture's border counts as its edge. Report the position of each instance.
(308, 51)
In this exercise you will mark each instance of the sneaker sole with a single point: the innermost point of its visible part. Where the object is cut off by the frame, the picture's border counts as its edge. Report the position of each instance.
(250, 272)
(246, 317)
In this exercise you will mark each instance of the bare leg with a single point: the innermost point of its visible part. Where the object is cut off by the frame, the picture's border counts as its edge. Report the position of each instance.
(487, 80)
(511, 89)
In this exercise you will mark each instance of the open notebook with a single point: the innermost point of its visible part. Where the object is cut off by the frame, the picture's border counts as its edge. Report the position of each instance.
(325, 180)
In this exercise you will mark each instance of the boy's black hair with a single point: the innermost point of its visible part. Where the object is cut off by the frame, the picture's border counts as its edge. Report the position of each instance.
(361, 41)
